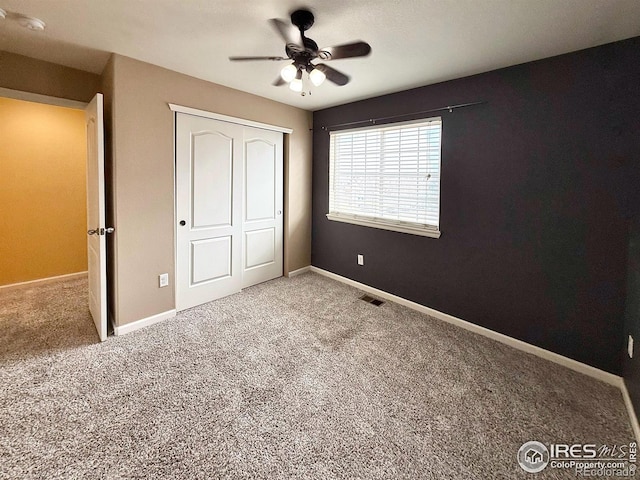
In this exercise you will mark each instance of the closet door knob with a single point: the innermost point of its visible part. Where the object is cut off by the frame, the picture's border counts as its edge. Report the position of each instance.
(182, 223)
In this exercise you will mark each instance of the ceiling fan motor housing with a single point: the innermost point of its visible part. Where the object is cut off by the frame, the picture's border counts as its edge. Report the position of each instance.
(303, 19)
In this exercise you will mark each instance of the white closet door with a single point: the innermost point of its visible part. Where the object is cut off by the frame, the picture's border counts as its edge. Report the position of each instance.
(263, 202)
(229, 201)
(208, 209)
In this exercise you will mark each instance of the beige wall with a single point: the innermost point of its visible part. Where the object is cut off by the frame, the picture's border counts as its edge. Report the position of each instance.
(42, 191)
(143, 176)
(36, 76)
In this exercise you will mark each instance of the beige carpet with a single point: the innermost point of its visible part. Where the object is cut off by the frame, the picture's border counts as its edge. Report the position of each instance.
(294, 378)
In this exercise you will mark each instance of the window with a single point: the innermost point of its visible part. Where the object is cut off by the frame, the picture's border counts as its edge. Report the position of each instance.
(387, 177)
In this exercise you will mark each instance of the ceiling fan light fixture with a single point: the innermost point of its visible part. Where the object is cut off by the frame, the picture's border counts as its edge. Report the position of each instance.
(296, 85)
(317, 77)
(289, 72)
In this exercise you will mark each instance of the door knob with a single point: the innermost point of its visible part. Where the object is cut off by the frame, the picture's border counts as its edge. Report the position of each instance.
(182, 223)
(279, 212)
(101, 231)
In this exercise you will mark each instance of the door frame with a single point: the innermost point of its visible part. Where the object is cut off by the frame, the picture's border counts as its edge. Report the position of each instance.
(226, 118)
(46, 99)
(229, 119)
(67, 103)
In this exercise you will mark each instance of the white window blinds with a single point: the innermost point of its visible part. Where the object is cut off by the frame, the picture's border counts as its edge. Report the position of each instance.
(387, 177)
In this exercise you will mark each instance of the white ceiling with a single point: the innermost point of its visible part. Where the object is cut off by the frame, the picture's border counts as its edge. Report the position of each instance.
(414, 42)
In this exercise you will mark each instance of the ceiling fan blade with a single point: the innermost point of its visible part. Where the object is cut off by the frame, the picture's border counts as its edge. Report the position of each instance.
(237, 59)
(333, 75)
(348, 50)
(278, 81)
(289, 33)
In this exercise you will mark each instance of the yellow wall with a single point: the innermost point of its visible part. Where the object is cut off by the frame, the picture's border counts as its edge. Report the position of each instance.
(42, 191)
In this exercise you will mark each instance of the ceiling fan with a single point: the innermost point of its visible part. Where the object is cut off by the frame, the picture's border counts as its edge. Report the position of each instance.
(303, 50)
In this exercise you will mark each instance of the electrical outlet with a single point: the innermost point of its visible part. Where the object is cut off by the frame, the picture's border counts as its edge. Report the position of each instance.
(630, 347)
(360, 259)
(163, 279)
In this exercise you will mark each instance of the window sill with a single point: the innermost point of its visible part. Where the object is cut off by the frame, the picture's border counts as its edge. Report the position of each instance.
(433, 233)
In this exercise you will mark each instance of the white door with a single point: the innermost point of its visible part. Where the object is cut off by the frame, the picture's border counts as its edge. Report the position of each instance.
(96, 245)
(208, 210)
(262, 210)
(228, 208)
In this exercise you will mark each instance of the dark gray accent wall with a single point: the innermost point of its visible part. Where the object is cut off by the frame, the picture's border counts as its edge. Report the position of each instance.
(632, 314)
(538, 188)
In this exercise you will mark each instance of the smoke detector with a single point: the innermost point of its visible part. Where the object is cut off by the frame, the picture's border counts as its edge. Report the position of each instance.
(31, 23)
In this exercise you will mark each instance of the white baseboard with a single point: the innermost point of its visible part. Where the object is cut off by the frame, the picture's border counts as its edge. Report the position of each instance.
(299, 271)
(144, 322)
(43, 281)
(630, 410)
(594, 372)
(580, 367)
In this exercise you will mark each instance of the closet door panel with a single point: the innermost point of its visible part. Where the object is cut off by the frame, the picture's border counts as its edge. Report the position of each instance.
(208, 210)
(263, 193)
